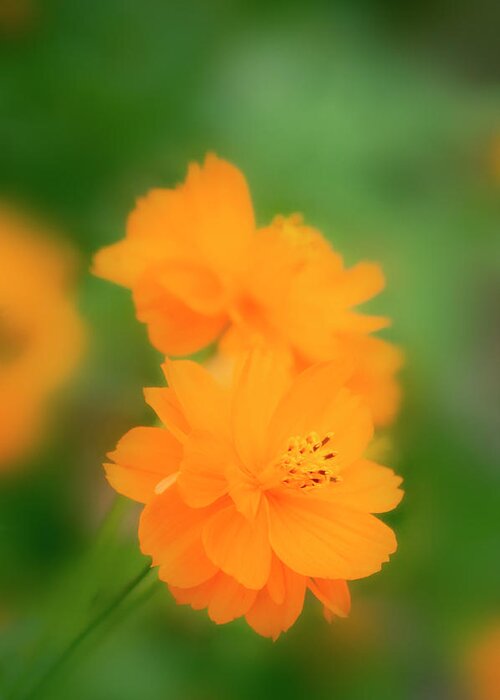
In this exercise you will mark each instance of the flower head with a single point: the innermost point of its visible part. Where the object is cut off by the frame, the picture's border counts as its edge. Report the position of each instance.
(257, 492)
(41, 333)
(201, 271)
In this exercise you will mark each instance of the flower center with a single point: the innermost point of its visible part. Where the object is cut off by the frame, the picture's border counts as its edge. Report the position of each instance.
(308, 462)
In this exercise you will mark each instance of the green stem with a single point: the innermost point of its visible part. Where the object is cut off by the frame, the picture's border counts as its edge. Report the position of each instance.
(86, 632)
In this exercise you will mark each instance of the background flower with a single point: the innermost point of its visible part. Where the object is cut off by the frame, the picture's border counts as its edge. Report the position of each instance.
(41, 333)
(201, 271)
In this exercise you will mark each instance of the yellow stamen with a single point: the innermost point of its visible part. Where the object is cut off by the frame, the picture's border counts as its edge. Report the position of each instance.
(308, 462)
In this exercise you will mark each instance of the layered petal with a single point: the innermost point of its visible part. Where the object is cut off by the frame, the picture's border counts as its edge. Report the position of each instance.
(221, 214)
(122, 263)
(199, 288)
(158, 230)
(202, 479)
(209, 218)
(170, 532)
(223, 597)
(142, 459)
(365, 486)
(359, 283)
(317, 402)
(319, 539)
(334, 595)
(353, 322)
(376, 363)
(304, 405)
(174, 328)
(259, 386)
(352, 426)
(204, 403)
(165, 404)
(239, 547)
(291, 259)
(269, 618)
(244, 489)
(162, 224)
(304, 291)
(276, 583)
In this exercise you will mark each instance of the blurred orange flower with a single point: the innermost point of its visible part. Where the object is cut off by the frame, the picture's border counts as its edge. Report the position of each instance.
(483, 664)
(495, 157)
(41, 333)
(259, 491)
(201, 271)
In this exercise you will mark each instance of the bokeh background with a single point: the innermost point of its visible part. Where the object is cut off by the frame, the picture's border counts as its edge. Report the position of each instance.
(380, 121)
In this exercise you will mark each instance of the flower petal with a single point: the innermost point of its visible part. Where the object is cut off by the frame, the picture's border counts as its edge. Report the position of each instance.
(259, 386)
(202, 479)
(204, 403)
(208, 219)
(239, 547)
(359, 283)
(196, 286)
(365, 486)
(276, 581)
(319, 539)
(376, 363)
(123, 262)
(225, 598)
(166, 405)
(334, 595)
(303, 407)
(352, 322)
(143, 457)
(267, 617)
(352, 426)
(317, 402)
(221, 213)
(170, 532)
(244, 489)
(173, 327)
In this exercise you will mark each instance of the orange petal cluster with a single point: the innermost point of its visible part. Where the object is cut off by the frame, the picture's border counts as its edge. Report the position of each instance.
(258, 491)
(41, 333)
(201, 271)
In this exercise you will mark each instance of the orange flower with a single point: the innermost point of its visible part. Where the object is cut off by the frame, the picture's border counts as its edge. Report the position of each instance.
(495, 158)
(40, 331)
(200, 271)
(258, 492)
(483, 665)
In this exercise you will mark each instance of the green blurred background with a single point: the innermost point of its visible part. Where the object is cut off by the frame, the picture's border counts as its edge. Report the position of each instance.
(378, 121)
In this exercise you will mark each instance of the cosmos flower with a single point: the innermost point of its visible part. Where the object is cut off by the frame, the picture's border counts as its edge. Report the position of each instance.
(201, 271)
(482, 664)
(41, 333)
(257, 492)
(494, 157)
